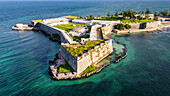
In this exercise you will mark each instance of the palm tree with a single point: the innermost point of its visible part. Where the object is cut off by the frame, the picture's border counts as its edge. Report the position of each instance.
(108, 14)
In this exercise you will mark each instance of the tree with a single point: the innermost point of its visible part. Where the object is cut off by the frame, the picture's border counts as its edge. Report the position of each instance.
(108, 14)
(139, 17)
(88, 16)
(81, 17)
(133, 14)
(116, 14)
(164, 13)
(127, 26)
(156, 17)
(148, 11)
(155, 14)
(146, 16)
(91, 17)
(120, 26)
(159, 14)
(142, 12)
(129, 13)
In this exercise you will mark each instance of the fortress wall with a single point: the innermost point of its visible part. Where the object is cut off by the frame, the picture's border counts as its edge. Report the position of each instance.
(106, 30)
(72, 61)
(134, 25)
(83, 62)
(94, 56)
(153, 24)
(102, 51)
(49, 30)
(148, 25)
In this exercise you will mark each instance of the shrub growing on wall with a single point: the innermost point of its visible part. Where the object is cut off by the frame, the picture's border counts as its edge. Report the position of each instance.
(120, 26)
(127, 26)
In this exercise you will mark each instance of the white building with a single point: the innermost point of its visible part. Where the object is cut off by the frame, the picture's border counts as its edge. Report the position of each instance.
(79, 31)
(94, 32)
(105, 22)
(55, 21)
(81, 21)
(59, 23)
(83, 40)
(21, 25)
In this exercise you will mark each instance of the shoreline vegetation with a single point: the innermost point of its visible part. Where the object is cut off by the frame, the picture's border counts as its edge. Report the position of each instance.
(128, 16)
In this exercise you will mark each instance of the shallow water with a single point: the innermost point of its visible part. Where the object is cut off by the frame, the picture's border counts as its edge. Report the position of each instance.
(24, 55)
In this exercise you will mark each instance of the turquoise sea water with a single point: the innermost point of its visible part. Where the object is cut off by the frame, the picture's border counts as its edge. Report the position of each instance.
(24, 55)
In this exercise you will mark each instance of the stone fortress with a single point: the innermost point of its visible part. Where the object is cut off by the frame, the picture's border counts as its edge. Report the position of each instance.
(79, 64)
(93, 56)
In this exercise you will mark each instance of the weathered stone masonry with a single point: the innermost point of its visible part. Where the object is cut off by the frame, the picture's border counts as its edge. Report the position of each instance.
(50, 30)
(93, 56)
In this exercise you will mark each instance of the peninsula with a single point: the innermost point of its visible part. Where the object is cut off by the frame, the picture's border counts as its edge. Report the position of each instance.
(84, 40)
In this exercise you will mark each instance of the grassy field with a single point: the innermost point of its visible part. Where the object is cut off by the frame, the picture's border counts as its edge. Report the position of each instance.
(137, 20)
(90, 69)
(65, 68)
(68, 27)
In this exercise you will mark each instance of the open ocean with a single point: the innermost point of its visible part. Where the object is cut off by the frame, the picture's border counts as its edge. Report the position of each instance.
(24, 55)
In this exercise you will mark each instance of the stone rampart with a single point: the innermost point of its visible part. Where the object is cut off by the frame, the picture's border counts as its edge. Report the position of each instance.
(147, 25)
(72, 61)
(51, 30)
(93, 56)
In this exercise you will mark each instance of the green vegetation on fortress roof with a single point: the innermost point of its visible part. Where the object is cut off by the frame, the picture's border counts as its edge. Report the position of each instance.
(69, 26)
(84, 48)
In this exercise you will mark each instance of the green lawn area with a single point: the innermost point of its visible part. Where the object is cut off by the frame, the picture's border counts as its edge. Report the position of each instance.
(65, 68)
(84, 48)
(68, 27)
(137, 20)
(90, 69)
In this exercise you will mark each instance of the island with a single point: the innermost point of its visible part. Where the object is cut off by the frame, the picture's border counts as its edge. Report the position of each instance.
(85, 40)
